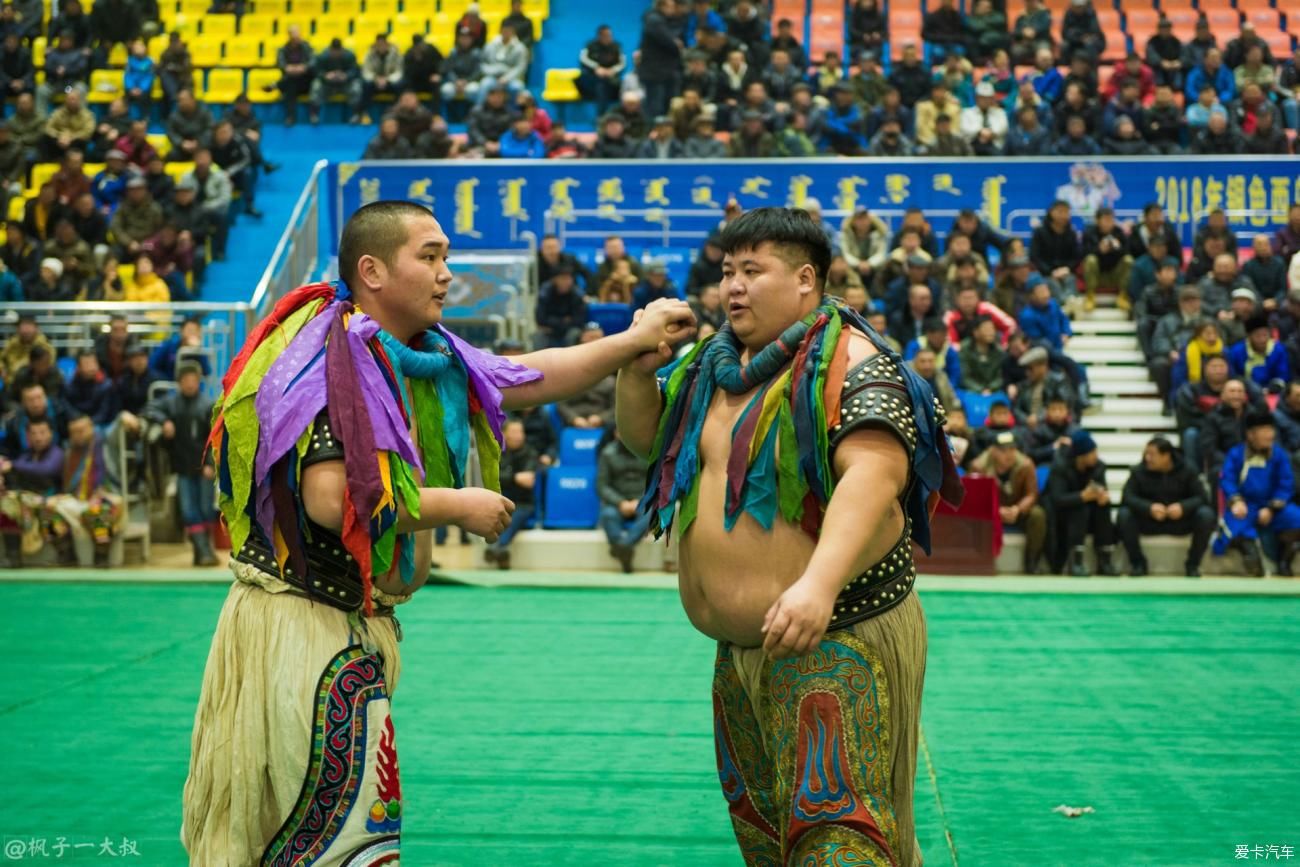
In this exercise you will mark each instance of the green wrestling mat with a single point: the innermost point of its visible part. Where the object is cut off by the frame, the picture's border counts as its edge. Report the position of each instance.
(562, 726)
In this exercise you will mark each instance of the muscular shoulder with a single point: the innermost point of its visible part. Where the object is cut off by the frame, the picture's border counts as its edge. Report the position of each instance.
(860, 348)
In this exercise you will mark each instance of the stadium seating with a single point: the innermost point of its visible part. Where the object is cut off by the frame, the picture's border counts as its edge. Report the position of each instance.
(578, 446)
(571, 499)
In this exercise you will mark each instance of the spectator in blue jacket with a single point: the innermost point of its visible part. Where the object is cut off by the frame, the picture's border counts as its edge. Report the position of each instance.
(1046, 325)
(109, 184)
(165, 355)
(1258, 486)
(1043, 321)
(845, 133)
(11, 288)
(1213, 71)
(1076, 142)
(1287, 416)
(522, 142)
(701, 18)
(1259, 356)
(656, 285)
(138, 79)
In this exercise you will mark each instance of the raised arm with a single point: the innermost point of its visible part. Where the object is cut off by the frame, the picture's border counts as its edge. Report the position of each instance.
(573, 369)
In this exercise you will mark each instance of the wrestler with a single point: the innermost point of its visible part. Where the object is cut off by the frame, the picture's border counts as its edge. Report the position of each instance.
(799, 454)
(342, 438)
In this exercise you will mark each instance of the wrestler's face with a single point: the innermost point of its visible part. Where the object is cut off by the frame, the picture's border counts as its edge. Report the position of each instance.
(766, 294)
(418, 279)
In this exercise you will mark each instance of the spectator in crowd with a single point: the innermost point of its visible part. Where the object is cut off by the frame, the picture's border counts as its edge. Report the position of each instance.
(602, 62)
(927, 111)
(11, 291)
(1205, 343)
(707, 267)
(463, 71)
(660, 57)
(981, 359)
(297, 64)
(946, 142)
(969, 311)
(27, 126)
(1077, 142)
(1218, 286)
(67, 245)
(1079, 502)
(1000, 419)
(1211, 70)
(32, 475)
(923, 362)
(1267, 272)
(1259, 487)
(844, 132)
(613, 142)
(176, 67)
(189, 127)
(615, 252)
(905, 324)
(1218, 137)
(1055, 252)
(984, 124)
(1018, 505)
(1105, 259)
(40, 370)
(17, 74)
(987, 29)
(1051, 433)
(133, 384)
(504, 62)
(910, 77)
(40, 213)
(18, 348)
(381, 74)
(1198, 112)
(944, 31)
(1153, 224)
(90, 393)
(136, 219)
(412, 117)
(752, 140)
(33, 404)
(1081, 32)
(1126, 141)
(1199, 45)
(1223, 428)
(110, 129)
(1164, 55)
(146, 286)
(561, 309)
(916, 272)
(136, 146)
(1238, 50)
(109, 185)
(662, 144)
(786, 41)
(1165, 497)
(519, 467)
(982, 236)
(620, 482)
(113, 345)
(1286, 242)
(594, 408)
(1288, 89)
(67, 69)
(1163, 123)
(635, 121)
(1029, 138)
(1196, 400)
(1146, 264)
(93, 511)
(388, 143)
(935, 338)
(214, 194)
(864, 242)
(233, 156)
(51, 283)
(472, 25)
(1158, 300)
(1043, 321)
(185, 345)
(137, 81)
(1287, 416)
(890, 141)
(184, 417)
(708, 308)
(551, 256)
(1268, 136)
(656, 285)
(489, 121)
(1040, 386)
(336, 73)
(422, 67)
(70, 180)
(69, 127)
(1259, 357)
(1031, 33)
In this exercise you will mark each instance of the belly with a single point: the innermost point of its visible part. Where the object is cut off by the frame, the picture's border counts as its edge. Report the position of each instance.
(392, 581)
(729, 580)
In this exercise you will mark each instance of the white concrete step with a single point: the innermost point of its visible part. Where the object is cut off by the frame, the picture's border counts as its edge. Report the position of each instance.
(1130, 405)
(1099, 373)
(1109, 419)
(1104, 314)
(1101, 341)
(1110, 388)
(579, 549)
(1107, 356)
(1104, 326)
(1165, 556)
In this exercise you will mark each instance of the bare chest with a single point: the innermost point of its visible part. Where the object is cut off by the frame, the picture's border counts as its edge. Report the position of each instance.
(718, 431)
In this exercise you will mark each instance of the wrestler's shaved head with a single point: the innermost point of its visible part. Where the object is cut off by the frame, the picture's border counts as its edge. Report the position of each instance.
(379, 230)
(794, 235)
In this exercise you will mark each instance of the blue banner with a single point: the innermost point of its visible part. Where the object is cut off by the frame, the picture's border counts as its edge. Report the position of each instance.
(660, 204)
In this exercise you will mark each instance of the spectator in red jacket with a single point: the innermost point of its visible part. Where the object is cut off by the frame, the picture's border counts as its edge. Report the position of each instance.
(961, 321)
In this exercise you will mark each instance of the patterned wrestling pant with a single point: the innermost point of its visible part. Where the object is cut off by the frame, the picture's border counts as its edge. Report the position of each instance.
(817, 755)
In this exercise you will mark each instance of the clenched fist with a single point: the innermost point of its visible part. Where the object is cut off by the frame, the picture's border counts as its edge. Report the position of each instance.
(482, 512)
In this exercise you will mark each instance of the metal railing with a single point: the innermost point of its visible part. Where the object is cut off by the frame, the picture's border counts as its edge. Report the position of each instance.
(74, 326)
(298, 255)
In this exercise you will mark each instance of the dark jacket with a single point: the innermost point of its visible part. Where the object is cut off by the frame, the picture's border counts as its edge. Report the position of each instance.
(1220, 431)
(95, 398)
(620, 475)
(513, 462)
(1181, 485)
(1057, 385)
(560, 311)
(661, 57)
(1040, 440)
(133, 391)
(1092, 245)
(597, 400)
(1049, 250)
(192, 417)
(1065, 482)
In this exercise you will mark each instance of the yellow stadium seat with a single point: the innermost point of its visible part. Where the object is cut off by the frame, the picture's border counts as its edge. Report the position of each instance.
(407, 22)
(454, 8)
(310, 9)
(258, 80)
(537, 18)
(492, 20)
(105, 86)
(244, 52)
(157, 45)
(383, 9)
(17, 205)
(258, 26)
(444, 40)
(92, 169)
(205, 52)
(219, 26)
(194, 9)
(127, 274)
(117, 55)
(187, 26)
(494, 7)
(365, 31)
(160, 143)
(562, 85)
(223, 86)
(179, 170)
(327, 30)
(38, 52)
(42, 172)
(541, 7)
(349, 9)
(279, 8)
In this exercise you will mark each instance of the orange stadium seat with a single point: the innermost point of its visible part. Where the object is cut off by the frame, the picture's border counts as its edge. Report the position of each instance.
(1263, 19)
(1278, 42)
(825, 39)
(1250, 5)
(1143, 19)
(1224, 20)
(1168, 6)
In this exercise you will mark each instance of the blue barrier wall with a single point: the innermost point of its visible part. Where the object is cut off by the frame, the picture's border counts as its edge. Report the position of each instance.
(496, 204)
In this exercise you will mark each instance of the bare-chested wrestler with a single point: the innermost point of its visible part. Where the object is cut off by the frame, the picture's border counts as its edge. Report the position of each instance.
(800, 455)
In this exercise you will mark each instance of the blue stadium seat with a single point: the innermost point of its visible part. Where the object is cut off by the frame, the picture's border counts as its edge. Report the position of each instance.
(571, 499)
(977, 405)
(612, 318)
(1043, 472)
(553, 416)
(578, 446)
(67, 366)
